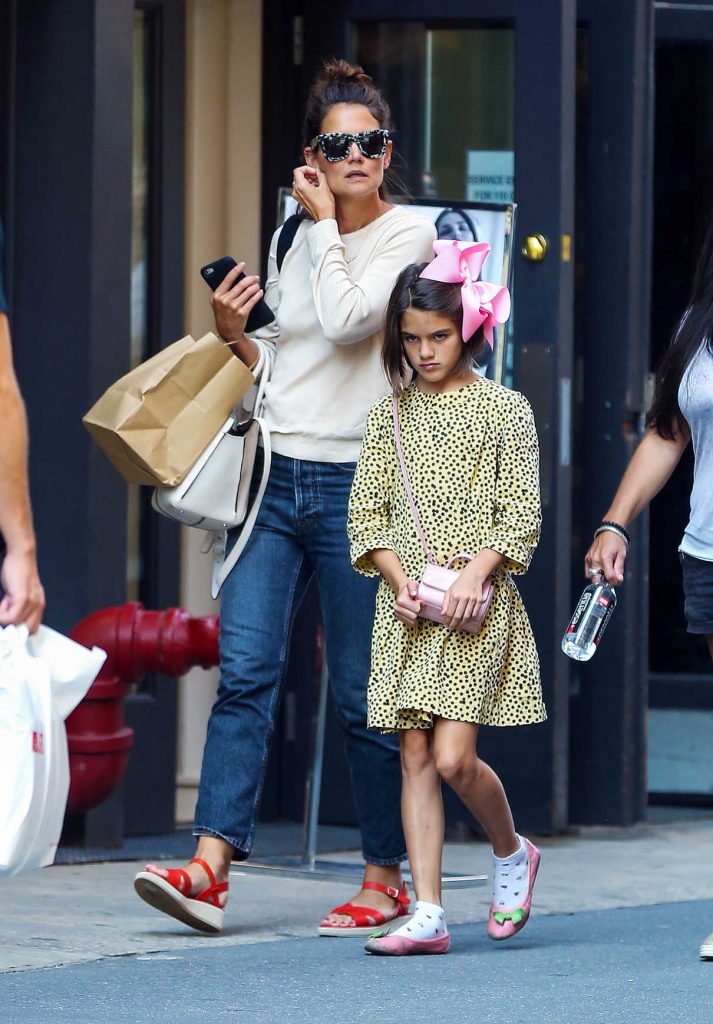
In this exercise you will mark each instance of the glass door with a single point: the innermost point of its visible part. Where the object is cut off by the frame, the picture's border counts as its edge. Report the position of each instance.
(483, 97)
(446, 145)
(456, 158)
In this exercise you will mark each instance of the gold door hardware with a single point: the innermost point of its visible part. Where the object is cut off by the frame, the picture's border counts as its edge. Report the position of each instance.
(534, 248)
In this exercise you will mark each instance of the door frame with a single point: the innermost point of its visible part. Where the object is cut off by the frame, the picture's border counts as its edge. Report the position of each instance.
(614, 152)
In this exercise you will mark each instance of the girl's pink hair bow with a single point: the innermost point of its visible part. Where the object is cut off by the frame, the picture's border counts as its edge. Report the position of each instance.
(484, 303)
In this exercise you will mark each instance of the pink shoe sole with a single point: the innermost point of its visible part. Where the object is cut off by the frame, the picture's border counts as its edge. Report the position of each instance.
(503, 925)
(400, 945)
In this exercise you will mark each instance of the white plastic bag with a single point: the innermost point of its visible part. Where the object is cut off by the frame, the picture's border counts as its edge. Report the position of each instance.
(42, 679)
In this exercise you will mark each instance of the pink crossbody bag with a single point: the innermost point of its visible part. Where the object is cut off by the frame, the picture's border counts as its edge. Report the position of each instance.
(436, 579)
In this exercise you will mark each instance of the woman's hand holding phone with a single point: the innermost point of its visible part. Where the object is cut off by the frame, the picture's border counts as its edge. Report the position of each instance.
(233, 302)
(310, 189)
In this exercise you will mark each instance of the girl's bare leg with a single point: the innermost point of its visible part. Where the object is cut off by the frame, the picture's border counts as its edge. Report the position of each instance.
(422, 812)
(475, 782)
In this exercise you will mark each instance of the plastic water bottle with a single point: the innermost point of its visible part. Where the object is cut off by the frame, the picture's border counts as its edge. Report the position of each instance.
(590, 619)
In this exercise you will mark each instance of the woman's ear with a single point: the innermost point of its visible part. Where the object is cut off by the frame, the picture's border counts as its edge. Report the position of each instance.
(387, 154)
(310, 158)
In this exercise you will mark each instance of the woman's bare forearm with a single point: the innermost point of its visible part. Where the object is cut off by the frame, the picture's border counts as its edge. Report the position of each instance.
(245, 349)
(15, 514)
(650, 467)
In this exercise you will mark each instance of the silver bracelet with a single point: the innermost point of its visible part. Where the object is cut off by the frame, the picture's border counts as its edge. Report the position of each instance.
(612, 529)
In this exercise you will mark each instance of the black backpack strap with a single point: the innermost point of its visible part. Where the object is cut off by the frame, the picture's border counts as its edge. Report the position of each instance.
(286, 238)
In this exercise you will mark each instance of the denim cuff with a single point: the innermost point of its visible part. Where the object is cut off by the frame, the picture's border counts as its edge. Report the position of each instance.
(385, 862)
(242, 847)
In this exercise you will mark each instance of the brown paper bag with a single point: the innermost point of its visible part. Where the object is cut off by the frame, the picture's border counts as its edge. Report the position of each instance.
(154, 422)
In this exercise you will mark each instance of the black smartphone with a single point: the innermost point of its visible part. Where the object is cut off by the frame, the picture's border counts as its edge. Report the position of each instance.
(214, 273)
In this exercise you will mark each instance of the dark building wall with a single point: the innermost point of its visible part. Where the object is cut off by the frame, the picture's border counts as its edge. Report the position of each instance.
(71, 201)
(608, 705)
(67, 109)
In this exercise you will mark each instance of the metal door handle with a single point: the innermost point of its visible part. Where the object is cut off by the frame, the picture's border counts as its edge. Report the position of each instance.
(534, 248)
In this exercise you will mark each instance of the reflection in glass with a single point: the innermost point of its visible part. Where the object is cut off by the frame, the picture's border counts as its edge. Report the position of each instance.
(452, 96)
(451, 92)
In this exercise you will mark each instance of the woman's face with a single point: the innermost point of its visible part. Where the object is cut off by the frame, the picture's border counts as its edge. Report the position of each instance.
(356, 175)
(453, 225)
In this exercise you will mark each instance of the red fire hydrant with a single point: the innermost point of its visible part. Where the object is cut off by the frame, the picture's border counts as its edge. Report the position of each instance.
(136, 642)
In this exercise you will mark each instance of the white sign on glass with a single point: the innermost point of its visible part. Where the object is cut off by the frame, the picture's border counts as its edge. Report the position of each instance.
(490, 175)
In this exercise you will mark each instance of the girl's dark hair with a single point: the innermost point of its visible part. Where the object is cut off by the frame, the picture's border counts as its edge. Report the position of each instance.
(694, 329)
(342, 82)
(414, 292)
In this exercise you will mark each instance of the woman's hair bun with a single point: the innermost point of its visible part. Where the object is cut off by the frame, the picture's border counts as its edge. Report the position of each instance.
(335, 70)
(342, 82)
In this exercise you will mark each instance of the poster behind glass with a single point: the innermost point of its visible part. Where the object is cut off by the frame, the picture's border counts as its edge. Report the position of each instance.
(465, 221)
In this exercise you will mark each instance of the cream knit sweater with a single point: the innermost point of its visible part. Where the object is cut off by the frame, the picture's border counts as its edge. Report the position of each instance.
(330, 301)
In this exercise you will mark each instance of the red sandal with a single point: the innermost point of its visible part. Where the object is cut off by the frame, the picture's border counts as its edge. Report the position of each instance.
(366, 919)
(202, 911)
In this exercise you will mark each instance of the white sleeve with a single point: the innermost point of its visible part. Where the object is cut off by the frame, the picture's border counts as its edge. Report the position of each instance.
(350, 310)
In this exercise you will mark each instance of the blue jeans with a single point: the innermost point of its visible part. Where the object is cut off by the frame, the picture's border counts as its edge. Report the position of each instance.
(300, 530)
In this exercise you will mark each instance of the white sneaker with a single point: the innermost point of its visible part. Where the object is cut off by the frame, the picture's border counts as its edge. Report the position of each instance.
(707, 948)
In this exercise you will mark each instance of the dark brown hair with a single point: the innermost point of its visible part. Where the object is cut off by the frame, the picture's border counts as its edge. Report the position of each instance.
(342, 82)
(694, 330)
(414, 292)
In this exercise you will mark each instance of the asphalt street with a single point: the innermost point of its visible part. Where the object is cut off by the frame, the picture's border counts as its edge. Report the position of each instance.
(606, 967)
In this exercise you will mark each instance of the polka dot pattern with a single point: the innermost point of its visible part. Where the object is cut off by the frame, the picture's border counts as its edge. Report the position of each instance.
(472, 458)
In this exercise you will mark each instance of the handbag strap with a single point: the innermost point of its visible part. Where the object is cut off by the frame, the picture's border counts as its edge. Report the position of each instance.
(262, 371)
(407, 484)
(222, 565)
(286, 238)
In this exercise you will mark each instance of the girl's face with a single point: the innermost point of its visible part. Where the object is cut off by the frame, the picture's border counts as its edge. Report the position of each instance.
(357, 175)
(434, 348)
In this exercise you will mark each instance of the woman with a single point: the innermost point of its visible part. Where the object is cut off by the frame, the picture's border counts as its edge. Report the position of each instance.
(330, 300)
(456, 224)
(682, 410)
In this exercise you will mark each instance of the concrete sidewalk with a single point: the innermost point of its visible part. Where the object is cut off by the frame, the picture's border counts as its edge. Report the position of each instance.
(628, 907)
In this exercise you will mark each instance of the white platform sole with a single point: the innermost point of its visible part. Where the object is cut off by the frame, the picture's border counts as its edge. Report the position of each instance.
(157, 892)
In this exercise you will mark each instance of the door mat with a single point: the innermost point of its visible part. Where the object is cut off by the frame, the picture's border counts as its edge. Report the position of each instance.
(272, 839)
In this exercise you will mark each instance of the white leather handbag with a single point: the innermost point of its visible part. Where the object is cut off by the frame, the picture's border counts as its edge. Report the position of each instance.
(215, 494)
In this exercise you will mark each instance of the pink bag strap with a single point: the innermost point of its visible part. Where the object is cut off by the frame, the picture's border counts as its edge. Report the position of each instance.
(409, 493)
(459, 556)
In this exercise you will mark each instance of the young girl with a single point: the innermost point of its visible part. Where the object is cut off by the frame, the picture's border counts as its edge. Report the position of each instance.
(471, 454)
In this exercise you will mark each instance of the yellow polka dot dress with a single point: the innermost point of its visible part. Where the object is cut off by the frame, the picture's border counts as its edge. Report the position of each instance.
(472, 458)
